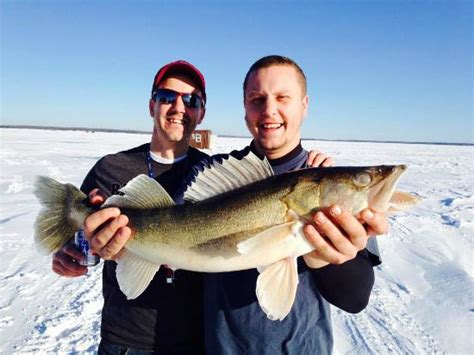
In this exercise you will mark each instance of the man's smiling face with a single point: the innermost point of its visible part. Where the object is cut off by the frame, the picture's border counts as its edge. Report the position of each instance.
(174, 122)
(275, 106)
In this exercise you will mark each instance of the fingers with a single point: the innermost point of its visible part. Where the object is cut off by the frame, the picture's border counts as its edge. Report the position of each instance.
(338, 237)
(97, 197)
(311, 157)
(70, 250)
(317, 258)
(111, 238)
(107, 232)
(348, 226)
(318, 159)
(114, 248)
(65, 262)
(377, 222)
(96, 219)
(324, 161)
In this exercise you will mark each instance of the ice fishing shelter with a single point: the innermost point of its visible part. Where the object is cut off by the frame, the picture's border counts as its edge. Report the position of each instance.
(202, 139)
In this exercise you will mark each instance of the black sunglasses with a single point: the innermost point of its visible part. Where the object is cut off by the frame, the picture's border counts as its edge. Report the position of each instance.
(167, 96)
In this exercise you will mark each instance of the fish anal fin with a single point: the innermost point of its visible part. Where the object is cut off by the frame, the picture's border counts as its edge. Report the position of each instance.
(276, 288)
(134, 274)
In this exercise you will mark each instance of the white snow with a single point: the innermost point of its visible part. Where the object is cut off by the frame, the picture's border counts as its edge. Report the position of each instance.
(422, 301)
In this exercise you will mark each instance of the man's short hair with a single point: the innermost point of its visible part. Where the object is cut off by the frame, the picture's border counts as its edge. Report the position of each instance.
(274, 60)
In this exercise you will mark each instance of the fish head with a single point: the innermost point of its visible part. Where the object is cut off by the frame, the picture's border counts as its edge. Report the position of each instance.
(356, 188)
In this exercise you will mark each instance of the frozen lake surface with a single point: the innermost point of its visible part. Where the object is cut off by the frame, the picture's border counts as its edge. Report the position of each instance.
(422, 301)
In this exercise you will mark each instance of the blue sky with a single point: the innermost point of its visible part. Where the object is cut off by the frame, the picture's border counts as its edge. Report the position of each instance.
(377, 70)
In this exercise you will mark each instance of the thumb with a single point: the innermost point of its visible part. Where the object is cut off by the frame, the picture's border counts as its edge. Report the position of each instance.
(97, 197)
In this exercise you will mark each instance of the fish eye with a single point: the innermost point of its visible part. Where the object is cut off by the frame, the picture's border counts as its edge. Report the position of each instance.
(362, 179)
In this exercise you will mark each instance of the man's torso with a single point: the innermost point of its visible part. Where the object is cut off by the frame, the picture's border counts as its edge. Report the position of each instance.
(168, 316)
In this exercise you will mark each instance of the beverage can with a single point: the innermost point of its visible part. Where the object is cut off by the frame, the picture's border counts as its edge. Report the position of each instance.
(90, 258)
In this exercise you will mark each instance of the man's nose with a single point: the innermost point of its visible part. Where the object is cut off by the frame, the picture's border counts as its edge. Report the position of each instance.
(178, 105)
(269, 107)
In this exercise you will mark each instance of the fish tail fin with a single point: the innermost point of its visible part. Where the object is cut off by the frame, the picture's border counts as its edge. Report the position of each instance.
(63, 213)
(134, 274)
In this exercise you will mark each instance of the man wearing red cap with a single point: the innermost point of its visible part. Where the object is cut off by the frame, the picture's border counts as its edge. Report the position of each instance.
(166, 317)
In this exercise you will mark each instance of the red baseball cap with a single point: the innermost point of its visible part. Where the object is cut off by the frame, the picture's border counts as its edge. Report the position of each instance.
(178, 67)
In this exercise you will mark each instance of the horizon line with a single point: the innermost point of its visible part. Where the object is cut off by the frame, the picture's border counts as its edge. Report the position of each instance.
(131, 131)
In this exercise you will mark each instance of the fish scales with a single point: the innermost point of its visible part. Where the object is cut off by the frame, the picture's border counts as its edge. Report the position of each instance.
(250, 208)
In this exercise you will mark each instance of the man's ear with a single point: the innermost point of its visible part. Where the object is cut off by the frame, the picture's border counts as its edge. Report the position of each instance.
(305, 105)
(203, 112)
(151, 106)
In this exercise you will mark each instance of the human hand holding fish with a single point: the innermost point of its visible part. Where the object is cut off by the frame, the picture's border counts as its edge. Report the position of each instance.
(107, 232)
(317, 158)
(238, 216)
(339, 238)
(65, 261)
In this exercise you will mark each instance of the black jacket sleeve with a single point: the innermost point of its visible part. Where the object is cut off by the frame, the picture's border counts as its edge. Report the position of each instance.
(347, 286)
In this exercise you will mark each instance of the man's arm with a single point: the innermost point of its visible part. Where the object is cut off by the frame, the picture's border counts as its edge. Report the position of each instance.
(342, 267)
(347, 286)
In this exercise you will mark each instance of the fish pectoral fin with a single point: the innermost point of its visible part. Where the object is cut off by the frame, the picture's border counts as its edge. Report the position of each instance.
(269, 236)
(142, 192)
(401, 201)
(134, 274)
(276, 288)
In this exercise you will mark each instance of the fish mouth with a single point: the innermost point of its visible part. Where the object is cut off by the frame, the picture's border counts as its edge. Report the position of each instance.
(381, 193)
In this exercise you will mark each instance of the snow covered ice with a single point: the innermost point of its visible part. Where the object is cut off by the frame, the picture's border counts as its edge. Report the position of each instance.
(422, 300)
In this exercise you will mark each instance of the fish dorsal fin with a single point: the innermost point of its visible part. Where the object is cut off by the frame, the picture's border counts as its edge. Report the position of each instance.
(402, 201)
(227, 175)
(142, 192)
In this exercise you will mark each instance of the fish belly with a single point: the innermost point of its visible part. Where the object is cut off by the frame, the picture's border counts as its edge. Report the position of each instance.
(222, 255)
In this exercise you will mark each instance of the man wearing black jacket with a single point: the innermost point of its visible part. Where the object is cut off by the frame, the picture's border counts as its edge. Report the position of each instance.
(165, 318)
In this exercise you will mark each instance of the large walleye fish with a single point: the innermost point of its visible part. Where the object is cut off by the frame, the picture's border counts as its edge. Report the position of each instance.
(239, 216)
